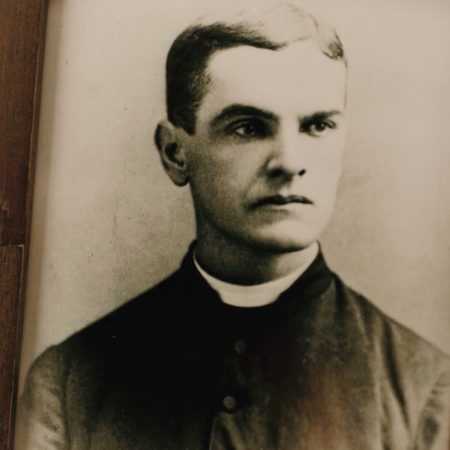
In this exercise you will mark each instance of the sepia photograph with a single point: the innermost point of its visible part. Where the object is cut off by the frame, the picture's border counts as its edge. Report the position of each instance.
(240, 236)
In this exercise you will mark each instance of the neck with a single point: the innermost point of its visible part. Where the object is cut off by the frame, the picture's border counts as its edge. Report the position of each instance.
(238, 263)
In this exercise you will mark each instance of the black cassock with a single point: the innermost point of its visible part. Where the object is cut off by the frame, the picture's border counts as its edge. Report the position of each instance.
(175, 368)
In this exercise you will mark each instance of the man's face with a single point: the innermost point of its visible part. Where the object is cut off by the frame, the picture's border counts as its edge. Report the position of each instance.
(265, 159)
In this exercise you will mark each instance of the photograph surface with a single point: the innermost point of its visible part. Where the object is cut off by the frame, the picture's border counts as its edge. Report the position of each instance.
(241, 228)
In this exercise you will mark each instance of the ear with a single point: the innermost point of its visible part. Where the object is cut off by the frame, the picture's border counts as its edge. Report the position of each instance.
(171, 152)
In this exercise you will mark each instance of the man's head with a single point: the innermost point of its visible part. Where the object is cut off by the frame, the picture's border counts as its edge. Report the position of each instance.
(256, 125)
(271, 28)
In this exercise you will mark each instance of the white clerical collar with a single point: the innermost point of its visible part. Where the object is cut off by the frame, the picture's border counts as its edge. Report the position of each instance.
(258, 294)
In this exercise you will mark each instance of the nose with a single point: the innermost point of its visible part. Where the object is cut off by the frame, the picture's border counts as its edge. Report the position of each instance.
(287, 159)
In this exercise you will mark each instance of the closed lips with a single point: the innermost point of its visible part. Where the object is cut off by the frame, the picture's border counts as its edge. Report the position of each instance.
(283, 200)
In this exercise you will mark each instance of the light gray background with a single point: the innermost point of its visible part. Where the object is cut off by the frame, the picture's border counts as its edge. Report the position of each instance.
(108, 224)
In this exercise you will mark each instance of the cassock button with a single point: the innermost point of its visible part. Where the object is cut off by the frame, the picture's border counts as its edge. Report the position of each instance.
(240, 347)
(229, 402)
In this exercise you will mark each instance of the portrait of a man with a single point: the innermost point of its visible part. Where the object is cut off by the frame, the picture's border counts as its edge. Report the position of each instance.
(254, 342)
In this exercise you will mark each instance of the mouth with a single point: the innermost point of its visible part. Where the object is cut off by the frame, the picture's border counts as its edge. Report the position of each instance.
(281, 200)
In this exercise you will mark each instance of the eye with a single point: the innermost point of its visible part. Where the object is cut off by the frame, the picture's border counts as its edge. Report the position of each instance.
(318, 127)
(250, 129)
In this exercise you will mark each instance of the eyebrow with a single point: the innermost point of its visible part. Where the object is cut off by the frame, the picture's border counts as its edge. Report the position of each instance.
(320, 115)
(236, 110)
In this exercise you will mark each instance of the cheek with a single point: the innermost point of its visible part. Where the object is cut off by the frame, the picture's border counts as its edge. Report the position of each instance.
(202, 165)
(329, 159)
(213, 180)
(229, 167)
(328, 169)
(326, 175)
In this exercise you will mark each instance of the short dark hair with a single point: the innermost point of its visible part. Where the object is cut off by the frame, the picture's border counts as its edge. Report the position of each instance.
(272, 28)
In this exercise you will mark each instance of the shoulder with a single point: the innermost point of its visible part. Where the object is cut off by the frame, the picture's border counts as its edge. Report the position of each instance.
(388, 334)
(139, 320)
(136, 320)
(78, 371)
(416, 370)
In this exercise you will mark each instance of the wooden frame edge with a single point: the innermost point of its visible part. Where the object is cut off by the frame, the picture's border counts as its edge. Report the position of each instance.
(22, 37)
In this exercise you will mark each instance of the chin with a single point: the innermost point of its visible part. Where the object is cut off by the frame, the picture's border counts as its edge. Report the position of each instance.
(286, 237)
(282, 242)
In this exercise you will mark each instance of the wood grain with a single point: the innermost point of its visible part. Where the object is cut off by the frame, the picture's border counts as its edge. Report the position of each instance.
(11, 258)
(22, 25)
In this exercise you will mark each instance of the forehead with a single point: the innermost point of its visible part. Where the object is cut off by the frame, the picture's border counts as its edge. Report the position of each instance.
(298, 79)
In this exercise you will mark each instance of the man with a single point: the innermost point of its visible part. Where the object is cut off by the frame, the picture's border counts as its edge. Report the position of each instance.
(253, 343)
